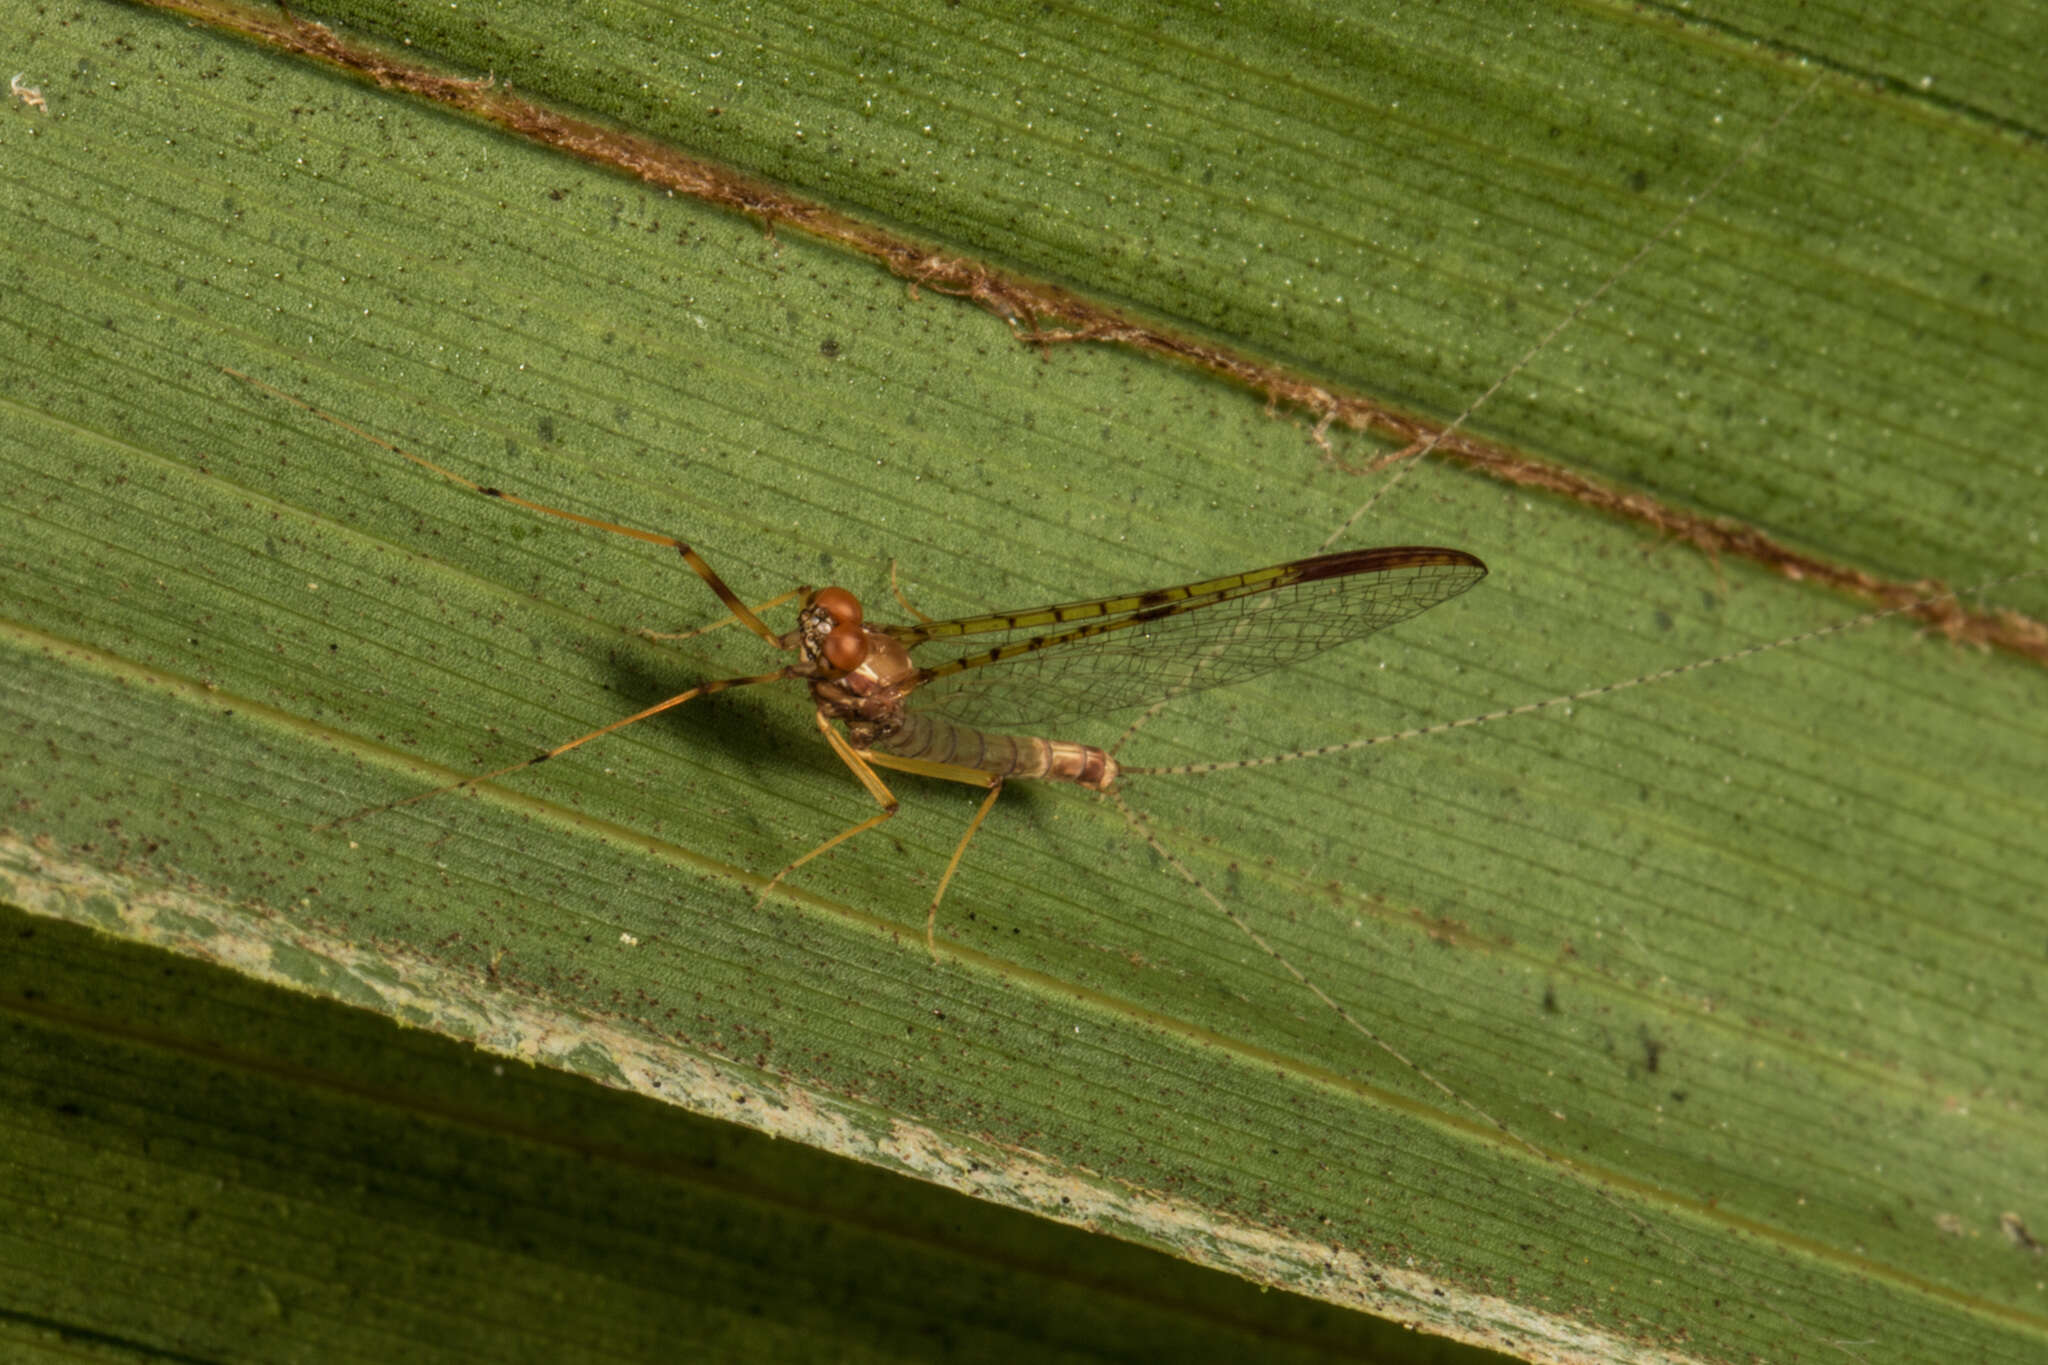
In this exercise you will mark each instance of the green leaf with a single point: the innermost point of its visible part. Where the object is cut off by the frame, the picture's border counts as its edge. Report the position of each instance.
(1751, 957)
(299, 1177)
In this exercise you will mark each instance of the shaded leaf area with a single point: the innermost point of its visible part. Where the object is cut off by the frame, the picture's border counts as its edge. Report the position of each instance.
(1747, 948)
(1841, 351)
(298, 1178)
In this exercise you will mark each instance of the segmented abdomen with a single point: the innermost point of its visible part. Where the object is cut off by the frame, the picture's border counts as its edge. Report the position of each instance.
(933, 740)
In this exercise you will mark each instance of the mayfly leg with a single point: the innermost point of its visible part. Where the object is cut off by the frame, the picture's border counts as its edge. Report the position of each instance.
(737, 610)
(740, 611)
(510, 769)
(862, 763)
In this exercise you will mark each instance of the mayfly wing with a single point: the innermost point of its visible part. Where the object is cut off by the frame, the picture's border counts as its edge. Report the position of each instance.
(1089, 658)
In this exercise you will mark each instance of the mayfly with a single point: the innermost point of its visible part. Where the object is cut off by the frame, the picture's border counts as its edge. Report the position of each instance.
(969, 717)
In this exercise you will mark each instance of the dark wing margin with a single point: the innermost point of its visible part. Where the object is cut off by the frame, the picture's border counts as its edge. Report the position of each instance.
(1110, 654)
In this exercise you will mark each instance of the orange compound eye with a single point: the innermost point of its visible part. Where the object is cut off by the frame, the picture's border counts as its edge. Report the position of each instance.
(839, 604)
(846, 648)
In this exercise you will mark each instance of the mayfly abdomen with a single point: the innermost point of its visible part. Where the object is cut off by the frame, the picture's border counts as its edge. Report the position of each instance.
(929, 739)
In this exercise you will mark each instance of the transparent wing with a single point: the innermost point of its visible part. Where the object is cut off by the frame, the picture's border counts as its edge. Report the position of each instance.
(1089, 658)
